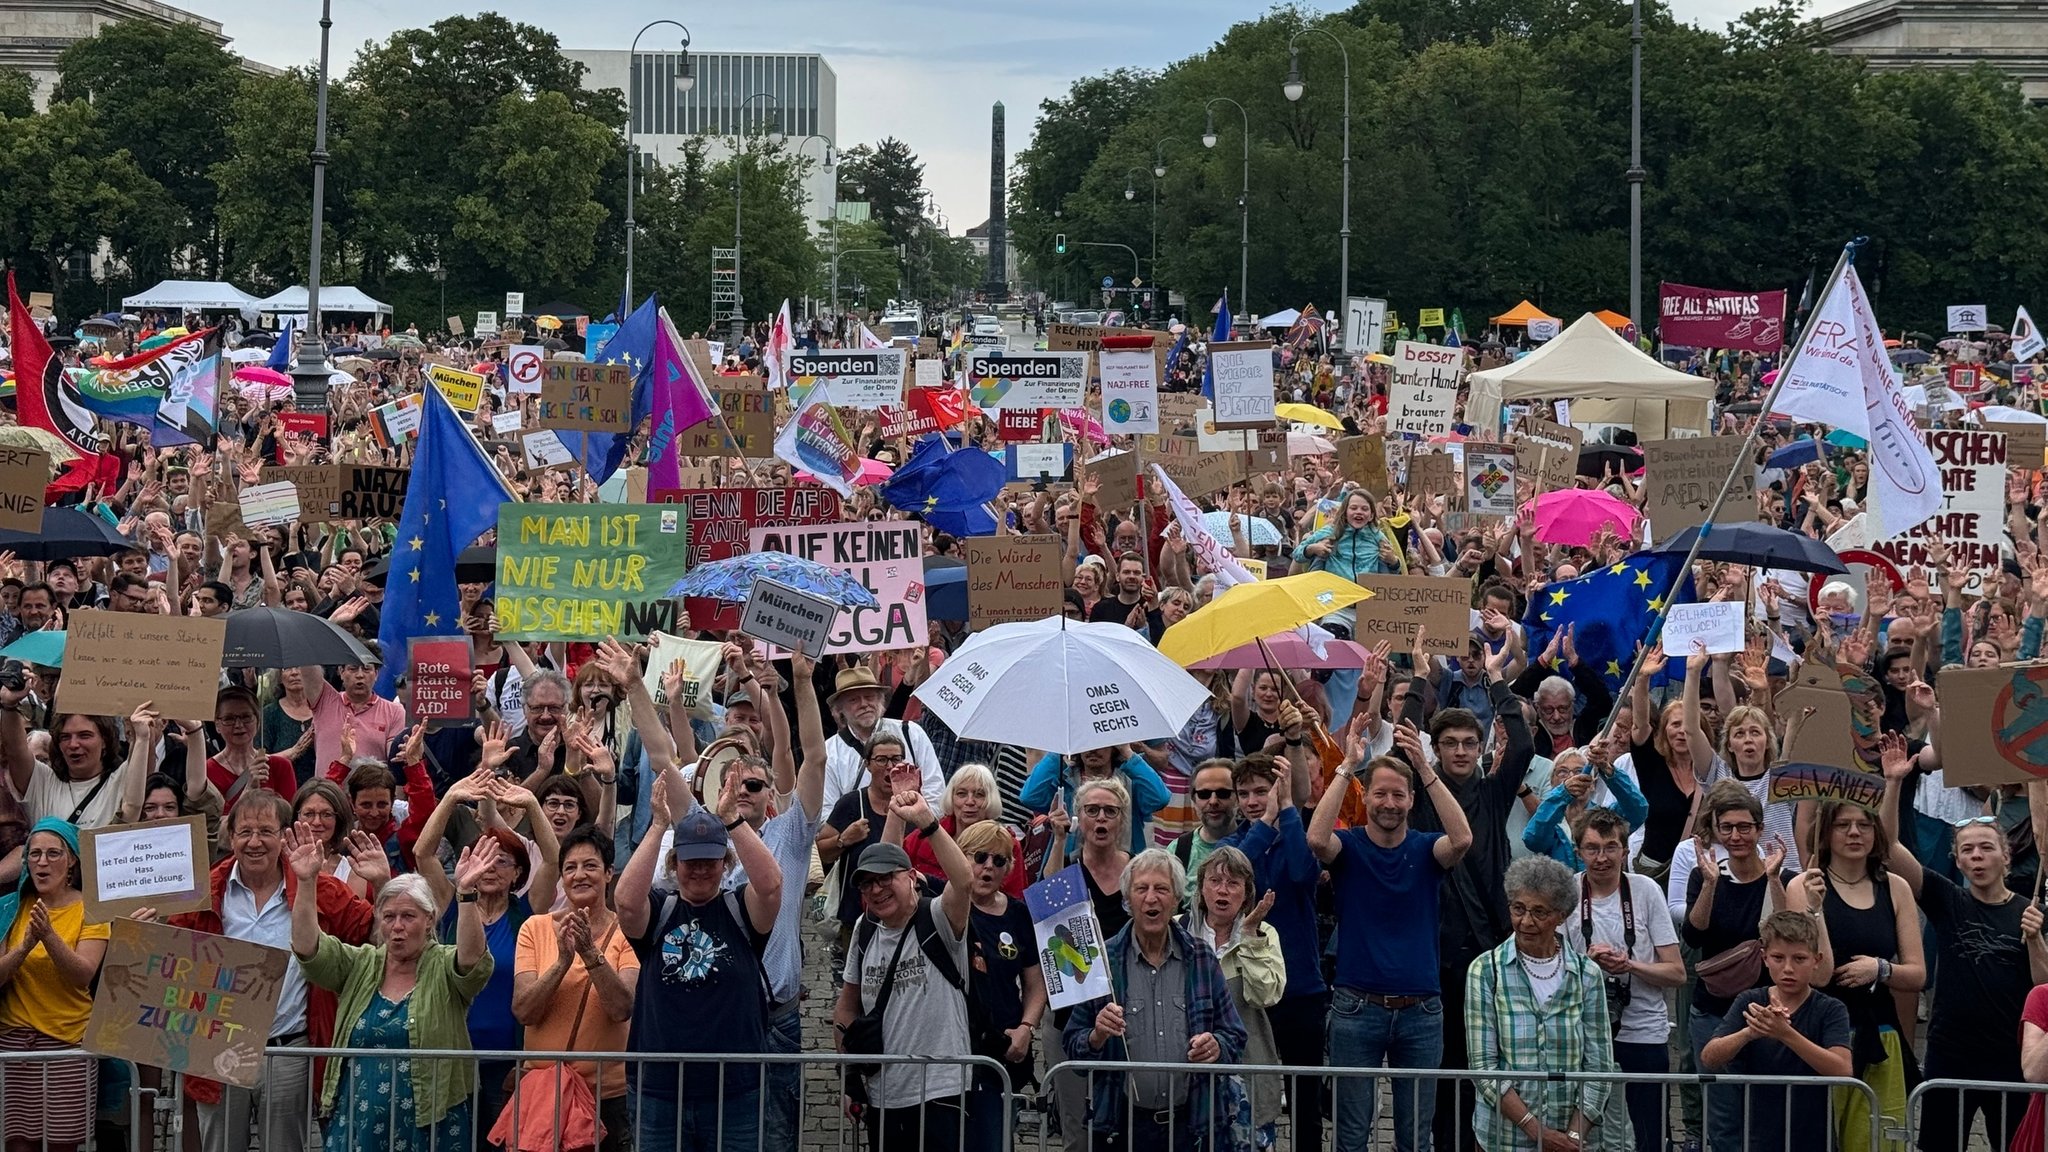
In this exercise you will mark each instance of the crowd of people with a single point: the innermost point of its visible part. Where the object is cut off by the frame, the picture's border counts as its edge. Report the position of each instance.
(1481, 874)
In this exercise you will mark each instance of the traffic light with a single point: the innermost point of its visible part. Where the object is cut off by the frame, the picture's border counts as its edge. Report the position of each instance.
(1059, 243)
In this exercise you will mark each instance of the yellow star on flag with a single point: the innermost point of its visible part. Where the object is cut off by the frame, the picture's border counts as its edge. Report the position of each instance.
(1618, 569)
(1557, 597)
(1614, 667)
(433, 620)
(1545, 617)
(1642, 579)
(1656, 603)
(415, 574)
(415, 543)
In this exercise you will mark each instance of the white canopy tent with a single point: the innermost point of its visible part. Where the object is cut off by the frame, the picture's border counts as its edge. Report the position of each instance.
(1284, 318)
(1610, 381)
(353, 301)
(193, 296)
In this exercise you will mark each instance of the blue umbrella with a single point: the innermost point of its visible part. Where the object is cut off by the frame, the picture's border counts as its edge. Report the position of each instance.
(44, 648)
(733, 580)
(1802, 451)
(945, 589)
(1257, 529)
(1758, 545)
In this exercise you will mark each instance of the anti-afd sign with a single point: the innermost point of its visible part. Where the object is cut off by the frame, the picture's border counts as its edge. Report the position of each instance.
(587, 571)
(1713, 318)
(1972, 517)
(721, 521)
(886, 556)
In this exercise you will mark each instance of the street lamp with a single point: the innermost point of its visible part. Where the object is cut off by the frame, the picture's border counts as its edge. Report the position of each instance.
(1635, 173)
(1244, 196)
(310, 370)
(1292, 88)
(831, 157)
(685, 80)
(1158, 174)
(739, 128)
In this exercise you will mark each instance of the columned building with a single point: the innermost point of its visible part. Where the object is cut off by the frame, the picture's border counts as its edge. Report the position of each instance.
(1888, 35)
(34, 33)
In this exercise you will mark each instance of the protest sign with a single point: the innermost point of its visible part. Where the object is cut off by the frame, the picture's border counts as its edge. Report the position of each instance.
(1242, 377)
(1791, 783)
(1828, 736)
(1430, 473)
(1994, 725)
(371, 492)
(578, 396)
(456, 326)
(1365, 321)
(1972, 518)
(1401, 604)
(1071, 952)
(1088, 338)
(397, 421)
(511, 421)
(114, 661)
(464, 390)
(854, 378)
(486, 324)
(1549, 451)
(1489, 481)
(224, 518)
(186, 1001)
(24, 473)
(721, 520)
(1209, 438)
(1711, 318)
(931, 374)
(1013, 578)
(542, 449)
(698, 661)
(1130, 393)
(1717, 625)
(268, 505)
(588, 571)
(1681, 478)
(1429, 318)
(1967, 318)
(788, 617)
(1028, 379)
(1039, 463)
(1118, 472)
(2024, 443)
(160, 864)
(1363, 461)
(1198, 473)
(299, 433)
(1425, 388)
(749, 411)
(523, 367)
(438, 671)
(318, 487)
(886, 556)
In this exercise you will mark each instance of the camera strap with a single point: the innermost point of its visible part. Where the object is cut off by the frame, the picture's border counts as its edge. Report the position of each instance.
(1628, 913)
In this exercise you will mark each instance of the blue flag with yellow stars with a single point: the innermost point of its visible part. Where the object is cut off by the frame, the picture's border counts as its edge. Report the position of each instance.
(950, 490)
(602, 453)
(420, 598)
(1609, 610)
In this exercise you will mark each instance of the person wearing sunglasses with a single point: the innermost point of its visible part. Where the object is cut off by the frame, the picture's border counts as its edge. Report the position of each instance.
(1215, 799)
(1008, 988)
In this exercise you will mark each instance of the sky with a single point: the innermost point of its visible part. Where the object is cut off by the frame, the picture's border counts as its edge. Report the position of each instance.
(924, 71)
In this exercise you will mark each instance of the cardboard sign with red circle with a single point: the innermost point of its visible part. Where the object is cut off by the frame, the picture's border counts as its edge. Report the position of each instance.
(1852, 559)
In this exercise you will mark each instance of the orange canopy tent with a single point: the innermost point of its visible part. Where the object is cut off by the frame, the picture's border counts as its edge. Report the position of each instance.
(1521, 314)
(1614, 320)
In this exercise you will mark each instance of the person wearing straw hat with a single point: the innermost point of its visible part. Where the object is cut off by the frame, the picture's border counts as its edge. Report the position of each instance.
(857, 703)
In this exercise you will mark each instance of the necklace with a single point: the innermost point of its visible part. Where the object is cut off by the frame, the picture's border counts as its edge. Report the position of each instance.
(1556, 966)
(1840, 879)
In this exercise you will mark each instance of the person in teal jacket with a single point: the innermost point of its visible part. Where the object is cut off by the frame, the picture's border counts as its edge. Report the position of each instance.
(1572, 779)
(1060, 775)
(1351, 545)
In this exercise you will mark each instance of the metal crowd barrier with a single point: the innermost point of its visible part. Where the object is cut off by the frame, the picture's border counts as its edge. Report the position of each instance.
(1957, 1105)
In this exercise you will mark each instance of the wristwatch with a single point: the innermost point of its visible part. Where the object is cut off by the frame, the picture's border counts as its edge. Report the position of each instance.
(466, 897)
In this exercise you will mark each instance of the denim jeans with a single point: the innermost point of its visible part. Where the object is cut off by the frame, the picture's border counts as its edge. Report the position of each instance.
(703, 1123)
(1640, 1105)
(1365, 1035)
(1722, 1104)
(784, 1083)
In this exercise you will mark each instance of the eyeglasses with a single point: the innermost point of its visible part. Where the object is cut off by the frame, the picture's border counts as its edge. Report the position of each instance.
(753, 784)
(562, 804)
(233, 721)
(1214, 793)
(1466, 745)
(545, 709)
(1745, 828)
(886, 761)
(874, 880)
(1601, 851)
(1521, 911)
(246, 835)
(1102, 811)
(51, 854)
(995, 858)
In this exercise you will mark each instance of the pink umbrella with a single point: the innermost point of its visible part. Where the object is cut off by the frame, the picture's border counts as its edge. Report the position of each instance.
(1572, 516)
(871, 472)
(1289, 651)
(261, 384)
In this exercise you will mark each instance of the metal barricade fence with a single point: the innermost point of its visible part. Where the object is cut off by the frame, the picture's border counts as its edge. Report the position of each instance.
(1942, 1115)
(1761, 1108)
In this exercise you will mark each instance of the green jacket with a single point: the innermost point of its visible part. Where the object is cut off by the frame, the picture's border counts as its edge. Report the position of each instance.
(437, 1018)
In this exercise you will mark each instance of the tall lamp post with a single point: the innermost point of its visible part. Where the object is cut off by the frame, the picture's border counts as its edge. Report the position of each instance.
(310, 370)
(685, 80)
(831, 154)
(739, 296)
(1244, 195)
(1635, 172)
(1292, 88)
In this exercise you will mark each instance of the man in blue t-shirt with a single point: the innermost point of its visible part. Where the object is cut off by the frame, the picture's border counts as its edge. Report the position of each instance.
(1386, 1009)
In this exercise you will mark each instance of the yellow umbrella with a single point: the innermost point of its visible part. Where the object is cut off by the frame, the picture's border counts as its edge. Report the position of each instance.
(549, 323)
(1250, 612)
(1308, 414)
(1378, 358)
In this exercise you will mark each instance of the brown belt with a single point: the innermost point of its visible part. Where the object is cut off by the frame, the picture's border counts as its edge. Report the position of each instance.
(1393, 1003)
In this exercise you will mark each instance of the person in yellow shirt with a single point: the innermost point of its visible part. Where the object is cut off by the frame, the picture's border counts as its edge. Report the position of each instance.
(46, 971)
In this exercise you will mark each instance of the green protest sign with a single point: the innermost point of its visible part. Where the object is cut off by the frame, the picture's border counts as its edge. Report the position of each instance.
(587, 571)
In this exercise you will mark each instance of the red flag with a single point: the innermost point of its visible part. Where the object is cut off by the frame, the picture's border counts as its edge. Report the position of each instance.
(944, 406)
(38, 395)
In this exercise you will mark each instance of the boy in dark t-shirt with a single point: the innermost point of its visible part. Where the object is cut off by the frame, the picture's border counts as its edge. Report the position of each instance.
(1787, 1029)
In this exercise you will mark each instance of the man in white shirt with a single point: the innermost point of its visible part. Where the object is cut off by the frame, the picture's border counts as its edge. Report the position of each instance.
(857, 703)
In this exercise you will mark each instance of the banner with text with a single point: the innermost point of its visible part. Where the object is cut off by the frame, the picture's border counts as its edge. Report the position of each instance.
(1711, 318)
(1424, 394)
(885, 556)
(588, 571)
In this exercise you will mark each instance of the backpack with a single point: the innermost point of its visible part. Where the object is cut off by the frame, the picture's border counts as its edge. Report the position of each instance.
(926, 928)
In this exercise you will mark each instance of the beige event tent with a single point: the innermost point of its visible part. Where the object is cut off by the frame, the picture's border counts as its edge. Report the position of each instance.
(1588, 362)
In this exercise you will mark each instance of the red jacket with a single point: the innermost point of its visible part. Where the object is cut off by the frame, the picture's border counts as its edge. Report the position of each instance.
(343, 915)
(419, 804)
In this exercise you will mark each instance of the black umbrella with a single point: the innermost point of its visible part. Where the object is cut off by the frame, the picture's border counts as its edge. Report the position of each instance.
(67, 532)
(281, 638)
(1594, 458)
(386, 353)
(258, 336)
(477, 564)
(1758, 545)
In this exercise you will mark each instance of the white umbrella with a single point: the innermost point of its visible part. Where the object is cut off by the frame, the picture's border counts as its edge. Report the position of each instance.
(1061, 686)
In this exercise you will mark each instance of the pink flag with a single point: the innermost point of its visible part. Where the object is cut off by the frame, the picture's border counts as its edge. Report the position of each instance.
(680, 404)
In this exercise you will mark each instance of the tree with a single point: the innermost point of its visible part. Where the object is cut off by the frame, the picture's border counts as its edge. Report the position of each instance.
(894, 183)
(17, 93)
(62, 191)
(533, 219)
(266, 185)
(165, 95)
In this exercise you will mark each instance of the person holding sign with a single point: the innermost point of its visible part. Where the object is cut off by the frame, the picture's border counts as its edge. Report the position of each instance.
(46, 968)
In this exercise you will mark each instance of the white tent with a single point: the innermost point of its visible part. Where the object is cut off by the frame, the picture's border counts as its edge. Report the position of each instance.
(337, 298)
(1588, 361)
(192, 296)
(1282, 319)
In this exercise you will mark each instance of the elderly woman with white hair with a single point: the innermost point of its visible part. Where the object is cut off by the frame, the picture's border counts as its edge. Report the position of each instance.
(401, 991)
(1533, 1009)
(1170, 1005)
(970, 798)
(1577, 783)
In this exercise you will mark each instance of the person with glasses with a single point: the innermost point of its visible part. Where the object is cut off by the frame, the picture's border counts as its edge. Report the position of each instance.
(1102, 806)
(1215, 798)
(1228, 914)
(47, 966)
(1725, 906)
(1006, 994)
(1536, 1007)
(971, 799)
(858, 818)
(241, 765)
(373, 721)
(1989, 954)
(1573, 779)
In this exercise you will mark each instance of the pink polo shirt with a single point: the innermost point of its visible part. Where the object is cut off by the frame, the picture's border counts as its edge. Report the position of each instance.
(376, 725)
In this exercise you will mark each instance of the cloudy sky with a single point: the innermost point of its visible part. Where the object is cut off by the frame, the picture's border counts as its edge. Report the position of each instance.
(925, 71)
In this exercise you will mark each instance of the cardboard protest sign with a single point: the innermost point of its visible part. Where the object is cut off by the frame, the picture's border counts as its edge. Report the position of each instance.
(721, 519)
(885, 556)
(1027, 379)
(588, 571)
(1972, 517)
(578, 396)
(160, 864)
(788, 617)
(1681, 478)
(1549, 452)
(1198, 473)
(1717, 625)
(464, 390)
(1088, 338)
(114, 661)
(1828, 737)
(1791, 783)
(1401, 604)
(1489, 481)
(24, 473)
(1363, 461)
(1424, 393)
(865, 378)
(1432, 472)
(371, 492)
(438, 672)
(1994, 724)
(1013, 578)
(2025, 444)
(750, 413)
(318, 487)
(1242, 377)
(1177, 410)
(186, 1001)
(1118, 472)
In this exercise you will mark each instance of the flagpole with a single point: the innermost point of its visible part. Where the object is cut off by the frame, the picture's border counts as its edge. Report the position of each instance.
(1763, 416)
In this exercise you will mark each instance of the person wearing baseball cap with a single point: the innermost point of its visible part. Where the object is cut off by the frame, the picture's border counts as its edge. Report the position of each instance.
(700, 986)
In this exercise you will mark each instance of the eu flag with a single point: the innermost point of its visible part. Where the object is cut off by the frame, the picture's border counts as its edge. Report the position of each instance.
(420, 598)
(1220, 334)
(281, 352)
(949, 489)
(632, 345)
(1056, 893)
(1609, 610)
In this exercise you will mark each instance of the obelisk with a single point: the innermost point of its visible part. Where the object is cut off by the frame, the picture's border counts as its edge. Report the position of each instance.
(997, 287)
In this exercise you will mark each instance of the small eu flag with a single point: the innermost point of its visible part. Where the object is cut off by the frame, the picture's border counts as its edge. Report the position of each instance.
(1608, 609)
